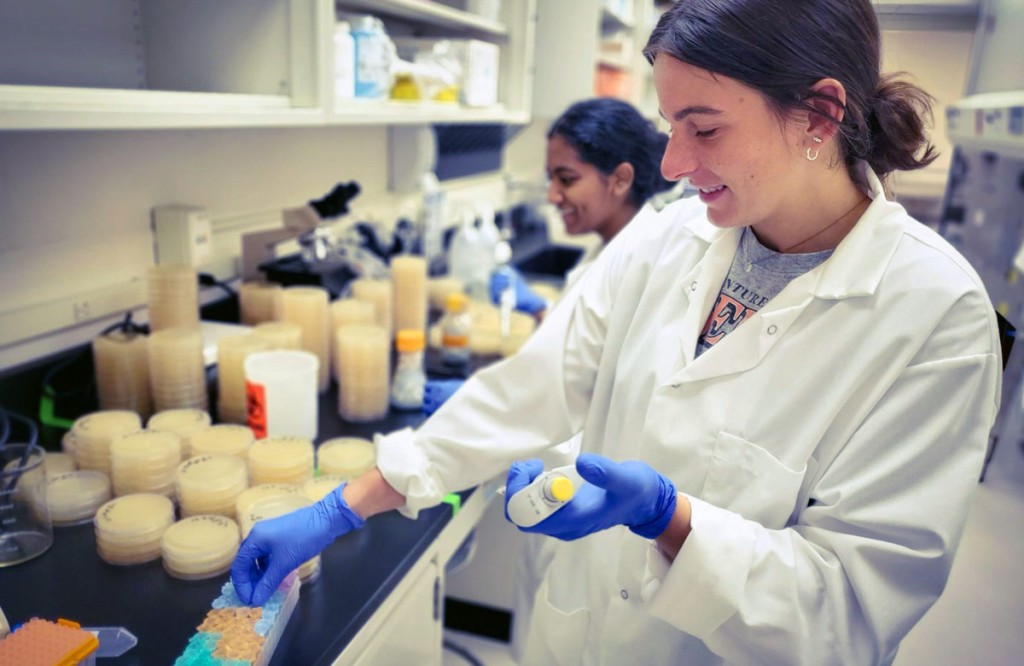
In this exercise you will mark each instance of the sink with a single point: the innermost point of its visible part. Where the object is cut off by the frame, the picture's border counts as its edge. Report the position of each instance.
(552, 261)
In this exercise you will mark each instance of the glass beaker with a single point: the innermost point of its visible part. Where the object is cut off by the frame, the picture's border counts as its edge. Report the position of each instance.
(25, 530)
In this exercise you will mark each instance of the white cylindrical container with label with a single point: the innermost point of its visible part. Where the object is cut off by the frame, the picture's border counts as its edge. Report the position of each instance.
(281, 386)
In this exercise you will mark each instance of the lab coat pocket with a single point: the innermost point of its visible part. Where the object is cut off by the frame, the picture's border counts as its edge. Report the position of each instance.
(556, 636)
(745, 478)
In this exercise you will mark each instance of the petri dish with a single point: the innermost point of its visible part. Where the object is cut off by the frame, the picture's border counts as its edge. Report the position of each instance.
(250, 496)
(200, 546)
(222, 439)
(281, 459)
(348, 457)
(145, 461)
(73, 497)
(318, 488)
(129, 528)
(94, 432)
(183, 421)
(210, 484)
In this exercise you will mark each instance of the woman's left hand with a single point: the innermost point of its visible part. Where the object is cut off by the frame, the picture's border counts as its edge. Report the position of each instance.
(631, 493)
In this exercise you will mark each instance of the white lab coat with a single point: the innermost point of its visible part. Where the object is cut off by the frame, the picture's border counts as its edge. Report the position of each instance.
(829, 445)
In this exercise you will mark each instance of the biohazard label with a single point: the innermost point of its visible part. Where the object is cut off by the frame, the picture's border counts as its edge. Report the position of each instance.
(256, 408)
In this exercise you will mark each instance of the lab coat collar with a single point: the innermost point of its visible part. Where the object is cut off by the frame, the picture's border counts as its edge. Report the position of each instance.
(859, 261)
(854, 269)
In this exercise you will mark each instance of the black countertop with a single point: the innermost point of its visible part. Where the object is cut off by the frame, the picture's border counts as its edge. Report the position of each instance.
(358, 572)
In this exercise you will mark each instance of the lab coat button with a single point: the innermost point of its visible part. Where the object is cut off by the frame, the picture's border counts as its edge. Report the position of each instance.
(624, 594)
(772, 329)
(693, 286)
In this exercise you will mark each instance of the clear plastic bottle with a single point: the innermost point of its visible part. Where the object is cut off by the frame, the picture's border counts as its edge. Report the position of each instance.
(455, 331)
(407, 387)
(373, 58)
(344, 61)
(471, 255)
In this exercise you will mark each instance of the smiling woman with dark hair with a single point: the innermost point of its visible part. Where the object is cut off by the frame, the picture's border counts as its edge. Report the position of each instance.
(785, 385)
(603, 165)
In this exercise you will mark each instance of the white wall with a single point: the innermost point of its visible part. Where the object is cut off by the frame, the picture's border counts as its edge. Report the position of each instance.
(938, 61)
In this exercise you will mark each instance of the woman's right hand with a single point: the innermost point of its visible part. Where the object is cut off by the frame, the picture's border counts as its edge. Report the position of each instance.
(275, 547)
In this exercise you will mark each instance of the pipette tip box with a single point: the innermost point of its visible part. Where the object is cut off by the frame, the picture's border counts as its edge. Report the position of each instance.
(43, 643)
(233, 634)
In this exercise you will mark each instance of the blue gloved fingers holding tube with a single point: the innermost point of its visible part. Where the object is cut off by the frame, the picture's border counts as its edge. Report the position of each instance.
(631, 493)
(520, 475)
(275, 547)
(526, 300)
(437, 391)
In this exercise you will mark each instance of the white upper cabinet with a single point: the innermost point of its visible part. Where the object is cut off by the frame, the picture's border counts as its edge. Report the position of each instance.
(123, 64)
(927, 14)
(588, 48)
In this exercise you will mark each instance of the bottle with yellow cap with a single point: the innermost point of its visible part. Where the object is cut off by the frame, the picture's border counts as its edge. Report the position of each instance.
(455, 330)
(546, 494)
(407, 387)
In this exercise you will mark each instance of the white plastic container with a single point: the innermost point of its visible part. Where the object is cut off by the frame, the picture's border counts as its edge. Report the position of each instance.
(281, 386)
(471, 256)
(344, 61)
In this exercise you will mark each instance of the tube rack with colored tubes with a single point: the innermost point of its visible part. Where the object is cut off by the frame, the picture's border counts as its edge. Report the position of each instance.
(233, 634)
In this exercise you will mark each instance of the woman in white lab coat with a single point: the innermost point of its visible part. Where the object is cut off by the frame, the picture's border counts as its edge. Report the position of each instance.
(785, 388)
(603, 165)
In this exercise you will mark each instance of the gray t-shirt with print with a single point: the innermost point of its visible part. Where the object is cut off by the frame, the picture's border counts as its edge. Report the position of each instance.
(756, 276)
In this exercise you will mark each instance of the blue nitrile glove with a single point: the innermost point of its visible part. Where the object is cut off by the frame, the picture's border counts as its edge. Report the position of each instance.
(629, 493)
(275, 547)
(526, 300)
(436, 391)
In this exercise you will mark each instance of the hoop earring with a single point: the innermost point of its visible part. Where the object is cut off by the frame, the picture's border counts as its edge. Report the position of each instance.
(810, 157)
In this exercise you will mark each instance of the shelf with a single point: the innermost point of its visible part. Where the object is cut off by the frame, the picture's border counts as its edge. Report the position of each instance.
(927, 7)
(611, 21)
(992, 121)
(50, 107)
(359, 112)
(30, 107)
(614, 63)
(430, 13)
(951, 15)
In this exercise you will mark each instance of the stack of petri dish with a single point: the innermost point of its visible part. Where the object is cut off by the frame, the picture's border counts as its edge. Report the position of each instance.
(280, 334)
(145, 462)
(58, 463)
(122, 371)
(316, 489)
(272, 507)
(281, 459)
(53, 464)
(347, 457)
(129, 528)
(177, 372)
(210, 484)
(94, 432)
(259, 301)
(200, 547)
(173, 297)
(224, 439)
(183, 422)
(308, 307)
(73, 497)
(231, 353)
(254, 494)
(67, 443)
